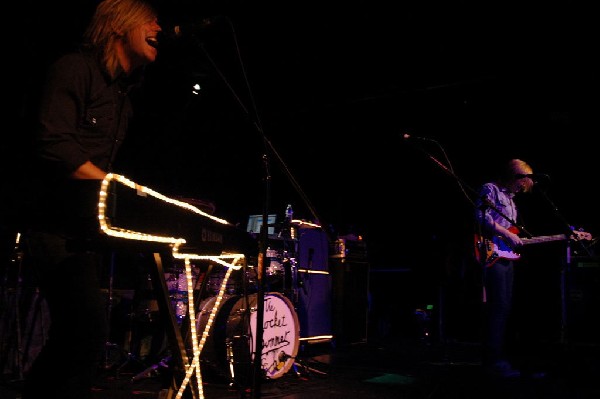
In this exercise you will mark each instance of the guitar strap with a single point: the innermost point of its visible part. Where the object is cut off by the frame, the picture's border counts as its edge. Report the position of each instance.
(487, 204)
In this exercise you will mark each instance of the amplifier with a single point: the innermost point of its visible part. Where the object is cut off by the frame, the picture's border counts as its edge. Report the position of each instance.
(351, 248)
(350, 300)
(583, 300)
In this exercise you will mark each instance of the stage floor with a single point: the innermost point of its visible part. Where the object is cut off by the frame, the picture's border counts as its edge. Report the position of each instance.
(384, 370)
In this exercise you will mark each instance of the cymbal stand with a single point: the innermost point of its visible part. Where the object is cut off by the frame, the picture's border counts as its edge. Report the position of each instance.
(17, 258)
(129, 354)
(111, 347)
(111, 276)
(109, 308)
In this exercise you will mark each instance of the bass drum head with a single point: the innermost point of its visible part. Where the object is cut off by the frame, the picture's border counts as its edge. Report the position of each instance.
(228, 350)
(281, 335)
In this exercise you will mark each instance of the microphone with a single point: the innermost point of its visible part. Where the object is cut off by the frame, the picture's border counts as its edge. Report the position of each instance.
(282, 357)
(175, 32)
(536, 177)
(190, 29)
(406, 136)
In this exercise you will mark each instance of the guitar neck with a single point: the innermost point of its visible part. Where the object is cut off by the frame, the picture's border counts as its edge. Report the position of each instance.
(541, 239)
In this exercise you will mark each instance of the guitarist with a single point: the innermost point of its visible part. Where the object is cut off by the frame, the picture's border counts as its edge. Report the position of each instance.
(495, 215)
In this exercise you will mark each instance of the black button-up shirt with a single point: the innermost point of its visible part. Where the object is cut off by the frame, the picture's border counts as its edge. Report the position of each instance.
(83, 116)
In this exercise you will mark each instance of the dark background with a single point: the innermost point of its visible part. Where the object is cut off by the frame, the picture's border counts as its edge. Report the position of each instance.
(333, 88)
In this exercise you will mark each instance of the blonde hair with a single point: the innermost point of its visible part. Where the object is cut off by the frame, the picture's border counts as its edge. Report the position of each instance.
(516, 167)
(112, 20)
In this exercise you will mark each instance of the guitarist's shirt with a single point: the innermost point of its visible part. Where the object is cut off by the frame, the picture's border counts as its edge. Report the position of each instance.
(502, 200)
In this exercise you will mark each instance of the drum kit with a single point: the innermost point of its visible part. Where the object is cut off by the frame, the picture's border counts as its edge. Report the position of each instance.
(228, 352)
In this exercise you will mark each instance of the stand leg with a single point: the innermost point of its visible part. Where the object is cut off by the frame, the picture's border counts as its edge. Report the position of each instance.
(117, 355)
(306, 370)
(109, 307)
(563, 295)
(14, 317)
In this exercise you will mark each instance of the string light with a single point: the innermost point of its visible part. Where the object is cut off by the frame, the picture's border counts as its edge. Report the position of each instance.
(230, 261)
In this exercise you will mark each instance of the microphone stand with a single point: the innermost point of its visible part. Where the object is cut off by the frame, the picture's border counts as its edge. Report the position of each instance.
(472, 191)
(258, 372)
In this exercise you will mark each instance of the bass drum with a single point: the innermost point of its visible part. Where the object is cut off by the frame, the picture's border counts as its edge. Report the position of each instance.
(229, 348)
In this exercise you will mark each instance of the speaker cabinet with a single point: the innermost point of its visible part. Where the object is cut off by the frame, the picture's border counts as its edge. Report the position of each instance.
(583, 300)
(350, 300)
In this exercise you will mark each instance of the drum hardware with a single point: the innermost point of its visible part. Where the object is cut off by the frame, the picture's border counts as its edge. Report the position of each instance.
(110, 346)
(153, 370)
(302, 369)
(18, 354)
(177, 287)
(142, 310)
(131, 353)
(229, 351)
(281, 272)
(230, 359)
(203, 282)
(174, 279)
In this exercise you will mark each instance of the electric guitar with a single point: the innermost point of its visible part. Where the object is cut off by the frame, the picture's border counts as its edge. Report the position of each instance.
(488, 251)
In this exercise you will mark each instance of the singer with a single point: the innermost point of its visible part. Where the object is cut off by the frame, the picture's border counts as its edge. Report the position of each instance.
(82, 118)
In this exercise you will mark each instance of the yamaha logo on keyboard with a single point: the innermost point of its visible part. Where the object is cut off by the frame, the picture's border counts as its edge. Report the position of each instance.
(211, 236)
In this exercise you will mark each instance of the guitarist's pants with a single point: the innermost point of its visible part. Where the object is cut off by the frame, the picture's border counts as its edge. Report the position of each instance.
(498, 280)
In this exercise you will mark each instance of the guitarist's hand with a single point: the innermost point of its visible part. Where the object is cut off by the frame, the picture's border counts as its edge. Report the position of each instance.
(512, 239)
(579, 235)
